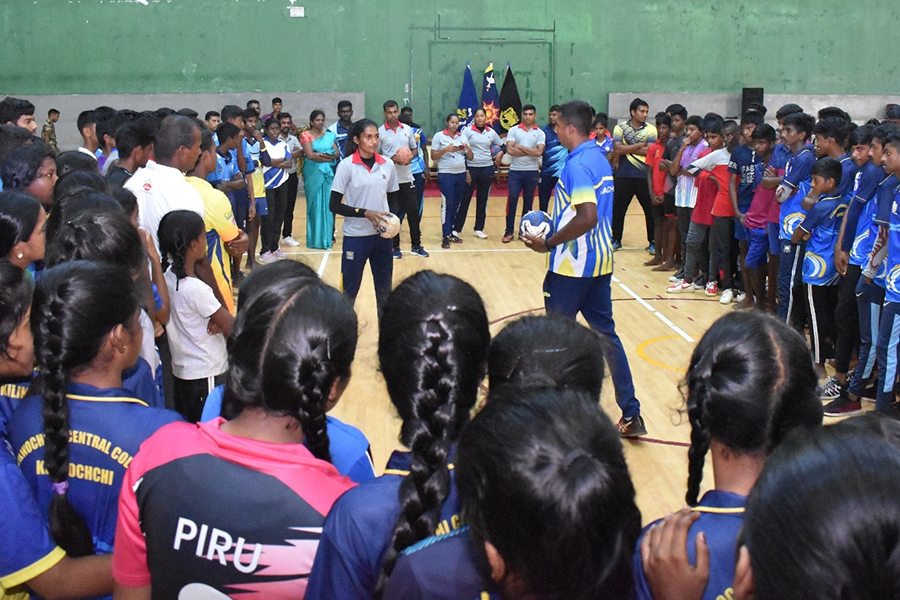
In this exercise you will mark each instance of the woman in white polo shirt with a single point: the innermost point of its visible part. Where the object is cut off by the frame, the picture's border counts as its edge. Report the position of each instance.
(362, 183)
(481, 172)
(450, 149)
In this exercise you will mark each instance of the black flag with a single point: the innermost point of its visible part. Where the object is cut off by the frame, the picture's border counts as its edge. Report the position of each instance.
(510, 103)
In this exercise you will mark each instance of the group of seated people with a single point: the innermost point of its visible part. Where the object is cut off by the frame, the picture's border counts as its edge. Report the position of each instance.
(522, 494)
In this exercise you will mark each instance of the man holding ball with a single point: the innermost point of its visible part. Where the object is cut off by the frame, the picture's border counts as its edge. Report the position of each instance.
(580, 250)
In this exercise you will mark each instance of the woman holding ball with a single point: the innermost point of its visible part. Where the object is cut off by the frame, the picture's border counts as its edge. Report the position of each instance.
(362, 185)
(450, 149)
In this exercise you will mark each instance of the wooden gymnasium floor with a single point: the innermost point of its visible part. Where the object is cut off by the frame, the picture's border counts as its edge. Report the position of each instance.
(658, 331)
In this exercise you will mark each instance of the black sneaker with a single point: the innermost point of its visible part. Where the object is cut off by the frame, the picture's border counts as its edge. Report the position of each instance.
(633, 427)
(456, 239)
(445, 243)
(842, 406)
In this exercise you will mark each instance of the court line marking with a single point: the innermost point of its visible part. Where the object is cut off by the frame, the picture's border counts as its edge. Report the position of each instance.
(658, 314)
(438, 251)
(322, 264)
(641, 351)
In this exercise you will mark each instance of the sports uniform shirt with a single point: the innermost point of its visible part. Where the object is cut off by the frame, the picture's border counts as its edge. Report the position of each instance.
(220, 228)
(205, 510)
(866, 186)
(390, 140)
(160, 190)
(797, 181)
(585, 178)
(527, 138)
(633, 166)
(28, 549)
(481, 141)
(358, 531)
(706, 196)
(721, 517)
(349, 448)
(364, 188)
(11, 393)
(606, 144)
(686, 188)
(106, 428)
(450, 162)
(743, 163)
(340, 133)
(554, 153)
(757, 216)
(442, 567)
(259, 182)
(848, 178)
(274, 177)
(892, 262)
(195, 353)
(823, 223)
(715, 166)
(661, 184)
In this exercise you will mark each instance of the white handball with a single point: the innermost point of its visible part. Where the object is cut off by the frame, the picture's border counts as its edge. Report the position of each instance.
(390, 226)
(536, 223)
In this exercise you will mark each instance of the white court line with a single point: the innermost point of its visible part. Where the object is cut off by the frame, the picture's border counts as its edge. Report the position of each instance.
(438, 251)
(322, 264)
(658, 314)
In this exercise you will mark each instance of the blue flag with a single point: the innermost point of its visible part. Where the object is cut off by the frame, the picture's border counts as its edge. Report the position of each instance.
(490, 97)
(468, 99)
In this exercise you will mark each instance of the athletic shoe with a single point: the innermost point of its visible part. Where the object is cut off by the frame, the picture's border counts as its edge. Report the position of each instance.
(680, 273)
(680, 287)
(633, 427)
(445, 243)
(397, 254)
(699, 285)
(726, 297)
(676, 277)
(739, 297)
(712, 288)
(480, 234)
(419, 251)
(279, 254)
(831, 389)
(267, 257)
(454, 233)
(455, 239)
(651, 249)
(290, 241)
(842, 406)
(507, 238)
(617, 245)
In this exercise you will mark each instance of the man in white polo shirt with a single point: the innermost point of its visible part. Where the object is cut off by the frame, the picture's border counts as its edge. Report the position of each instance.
(393, 136)
(160, 187)
(525, 145)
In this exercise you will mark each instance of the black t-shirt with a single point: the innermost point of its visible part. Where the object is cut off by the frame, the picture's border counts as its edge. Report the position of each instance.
(118, 176)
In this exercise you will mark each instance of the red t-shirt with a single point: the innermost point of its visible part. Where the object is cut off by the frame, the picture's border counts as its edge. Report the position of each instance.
(202, 511)
(715, 165)
(660, 178)
(706, 195)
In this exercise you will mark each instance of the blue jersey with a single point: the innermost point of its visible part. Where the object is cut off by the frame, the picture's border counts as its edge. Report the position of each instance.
(358, 531)
(442, 567)
(349, 448)
(11, 394)
(848, 178)
(585, 179)
(27, 548)
(554, 153)
(340, 134)
(106, 428)
(417, 165)
(867, 180)
(721, 517)
(796, 181)
(780, 156)
(885, 199)
(823, 223)
(606, 144)
(744, 163)
(892, 283)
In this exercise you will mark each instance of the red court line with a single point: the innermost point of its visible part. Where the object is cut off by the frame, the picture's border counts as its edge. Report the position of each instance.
(662, 442)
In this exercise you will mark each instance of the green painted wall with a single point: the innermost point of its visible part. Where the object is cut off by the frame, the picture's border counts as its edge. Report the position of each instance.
(559, 49)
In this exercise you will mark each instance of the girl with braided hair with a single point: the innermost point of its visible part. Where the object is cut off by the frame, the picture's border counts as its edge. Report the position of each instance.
(433, 349)
(750, 383)
(22, 229)
(222, 506)
(76, 432)
(198, 323)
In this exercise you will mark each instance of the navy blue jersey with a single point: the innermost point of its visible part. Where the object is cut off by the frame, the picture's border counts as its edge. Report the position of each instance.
(867, 180)
(106, 428)
(796, 180)
(743, 163)
(358, 531)
(11, 394)
(892, 266)
(721, 517)
(848, 178)
(780, 156)
(823, 223)
(442, 567)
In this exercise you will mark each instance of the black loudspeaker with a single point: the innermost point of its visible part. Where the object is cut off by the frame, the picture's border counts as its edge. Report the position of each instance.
(749, 96)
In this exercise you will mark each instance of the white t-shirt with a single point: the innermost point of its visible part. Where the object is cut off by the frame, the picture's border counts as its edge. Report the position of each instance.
(391, 140)
(526, 138)
(364, 188)
(195, 353)
(293, 145)
(148, 344)
(450, 162)
(160, 190)
(481, 142)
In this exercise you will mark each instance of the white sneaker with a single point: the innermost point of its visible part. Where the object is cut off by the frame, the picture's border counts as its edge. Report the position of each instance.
(726, 297)
(680, 287)
(455, 233)
(674, 278)
(290, 241)
(279, 255)
(739, 297)
(480, 234)
(267, 257)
